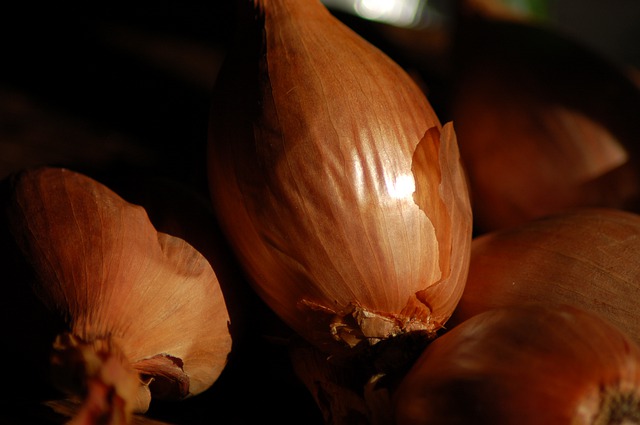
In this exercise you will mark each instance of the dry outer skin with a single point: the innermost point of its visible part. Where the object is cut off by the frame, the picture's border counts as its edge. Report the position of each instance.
(586, 257)
(525, 365)
(544, 123)
(115, 280)
(332, 177)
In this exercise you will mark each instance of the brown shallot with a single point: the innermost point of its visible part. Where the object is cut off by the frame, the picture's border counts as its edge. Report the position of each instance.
(525, 365)
(544, 123)
(337, 186)
(586, 257)
(142, 312)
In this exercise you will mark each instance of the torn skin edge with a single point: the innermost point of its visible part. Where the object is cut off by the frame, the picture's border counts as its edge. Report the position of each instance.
(446, 204)
(438, 174)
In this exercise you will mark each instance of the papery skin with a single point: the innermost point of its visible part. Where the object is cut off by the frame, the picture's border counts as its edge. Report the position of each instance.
(337, 186)
(105, 270)
(544, 123)
(587, 257)
(531, 364)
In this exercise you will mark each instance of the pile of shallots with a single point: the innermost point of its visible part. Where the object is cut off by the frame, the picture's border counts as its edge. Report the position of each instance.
(483, 270)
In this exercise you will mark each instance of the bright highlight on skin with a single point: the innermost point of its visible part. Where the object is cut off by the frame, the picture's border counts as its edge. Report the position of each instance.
(395, 12)
(400, 13)
(402, 187)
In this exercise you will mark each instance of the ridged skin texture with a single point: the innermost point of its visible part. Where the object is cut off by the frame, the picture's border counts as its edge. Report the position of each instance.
(336, 184)
(104, 269)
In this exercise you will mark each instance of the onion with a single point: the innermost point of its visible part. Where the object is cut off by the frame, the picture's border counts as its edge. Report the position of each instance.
(543, 123)
(587, 258)
(533, 364)
(333, 179)
(141, 312)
